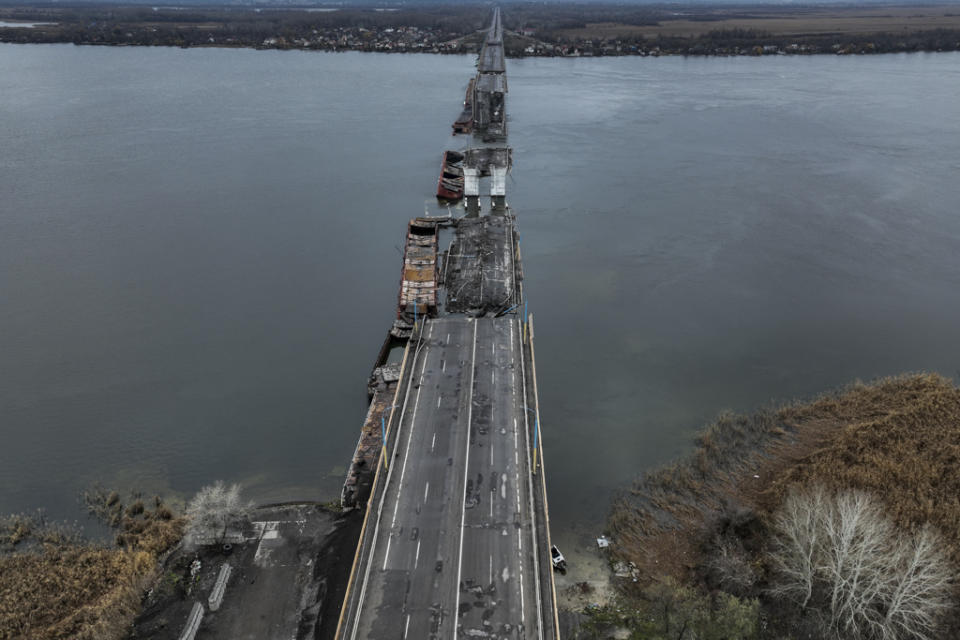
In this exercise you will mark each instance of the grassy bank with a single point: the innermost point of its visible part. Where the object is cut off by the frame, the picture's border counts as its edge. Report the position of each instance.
(709, 522)
(55, 585)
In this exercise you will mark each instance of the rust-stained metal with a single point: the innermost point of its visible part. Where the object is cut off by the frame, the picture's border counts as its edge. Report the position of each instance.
(464, 123)
(356, 488)
(450, 183)
(418, 285)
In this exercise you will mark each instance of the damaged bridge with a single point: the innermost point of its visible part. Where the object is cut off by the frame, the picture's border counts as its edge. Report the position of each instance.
(450, 464)
(456, 540)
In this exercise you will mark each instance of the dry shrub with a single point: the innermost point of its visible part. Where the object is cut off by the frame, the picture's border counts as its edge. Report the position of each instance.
(54, 585)
(151, 530)
(898, 438)
(15, 529)
(683, 495)
(138, 528)
(77, 592)
(731, 541)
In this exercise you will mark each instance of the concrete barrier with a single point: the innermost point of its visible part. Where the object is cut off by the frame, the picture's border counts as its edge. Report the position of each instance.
(193, 622)
(216, 594)
(373, 494)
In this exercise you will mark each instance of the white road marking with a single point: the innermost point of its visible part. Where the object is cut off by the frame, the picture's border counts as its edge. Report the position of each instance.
(406, 627)
(533, 517)
(490, 573)
(386, 556)
(492, 377)
(503, 487)
(406, 456)
(491, 455)
(426, 492)
(523, 614)
(448, 335)
(443, 365)
(466, 474)
(433, 442)
(406, 453)
(416, 560)
(438, 402)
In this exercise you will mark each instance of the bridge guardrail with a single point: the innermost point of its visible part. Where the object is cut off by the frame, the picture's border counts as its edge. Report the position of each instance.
(542, 475)
(361, 544)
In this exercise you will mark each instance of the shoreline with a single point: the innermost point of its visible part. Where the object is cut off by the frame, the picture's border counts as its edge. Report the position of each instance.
(705, 529)
(562, 30)
(843, 51)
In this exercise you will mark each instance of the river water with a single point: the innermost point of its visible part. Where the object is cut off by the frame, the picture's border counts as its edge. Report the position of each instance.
(199, 252)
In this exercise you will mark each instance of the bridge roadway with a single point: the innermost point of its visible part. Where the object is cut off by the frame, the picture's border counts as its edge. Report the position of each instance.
(491, 58)
(454, 547)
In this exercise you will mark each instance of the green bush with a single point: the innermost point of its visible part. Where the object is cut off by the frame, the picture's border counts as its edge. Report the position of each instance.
(670, 611)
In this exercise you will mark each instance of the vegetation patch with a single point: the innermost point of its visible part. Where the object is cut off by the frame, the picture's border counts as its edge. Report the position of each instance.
(56, 585)
(793, 505)
(671, 611)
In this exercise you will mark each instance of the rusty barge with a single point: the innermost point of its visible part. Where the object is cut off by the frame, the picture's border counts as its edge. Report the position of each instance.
(417, 299)
(464, 123)
(450, 182)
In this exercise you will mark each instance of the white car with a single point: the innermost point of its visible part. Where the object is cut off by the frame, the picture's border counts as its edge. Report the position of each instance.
(559, 562)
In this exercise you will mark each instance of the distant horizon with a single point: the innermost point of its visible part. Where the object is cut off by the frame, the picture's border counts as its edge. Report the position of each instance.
(354, 4)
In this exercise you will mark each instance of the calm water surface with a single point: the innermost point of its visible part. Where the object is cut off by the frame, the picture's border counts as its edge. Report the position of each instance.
(199, 252)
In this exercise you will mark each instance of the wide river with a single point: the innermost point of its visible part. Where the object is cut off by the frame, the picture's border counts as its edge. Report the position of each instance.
(199, 252)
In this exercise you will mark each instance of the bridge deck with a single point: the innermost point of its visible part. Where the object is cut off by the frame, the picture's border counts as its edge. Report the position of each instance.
(454, 551)
(456, 538)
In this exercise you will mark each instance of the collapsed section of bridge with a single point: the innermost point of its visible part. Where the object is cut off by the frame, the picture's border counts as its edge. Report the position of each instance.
(449, 467)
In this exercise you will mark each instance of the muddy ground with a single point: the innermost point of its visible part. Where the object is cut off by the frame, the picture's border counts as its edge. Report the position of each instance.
(289, 570)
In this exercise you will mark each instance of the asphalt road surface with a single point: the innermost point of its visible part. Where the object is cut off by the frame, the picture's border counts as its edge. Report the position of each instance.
(453, 548)
(491, 56)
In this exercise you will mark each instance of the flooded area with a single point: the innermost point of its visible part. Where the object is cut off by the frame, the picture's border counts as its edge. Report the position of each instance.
(199, 253)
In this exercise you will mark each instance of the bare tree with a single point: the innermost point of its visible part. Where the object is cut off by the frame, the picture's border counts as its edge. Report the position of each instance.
(798, 543)
(213, 511)
(727, 565)
(840, 555)
(919, 592)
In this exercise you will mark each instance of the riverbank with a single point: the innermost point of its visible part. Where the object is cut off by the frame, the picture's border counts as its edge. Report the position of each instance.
(287, 573)
(55, 584)
(708, 525)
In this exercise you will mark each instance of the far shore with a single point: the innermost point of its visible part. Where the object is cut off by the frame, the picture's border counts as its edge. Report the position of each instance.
(561, 30)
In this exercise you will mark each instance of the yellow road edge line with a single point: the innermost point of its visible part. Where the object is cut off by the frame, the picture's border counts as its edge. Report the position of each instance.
(543, 476)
